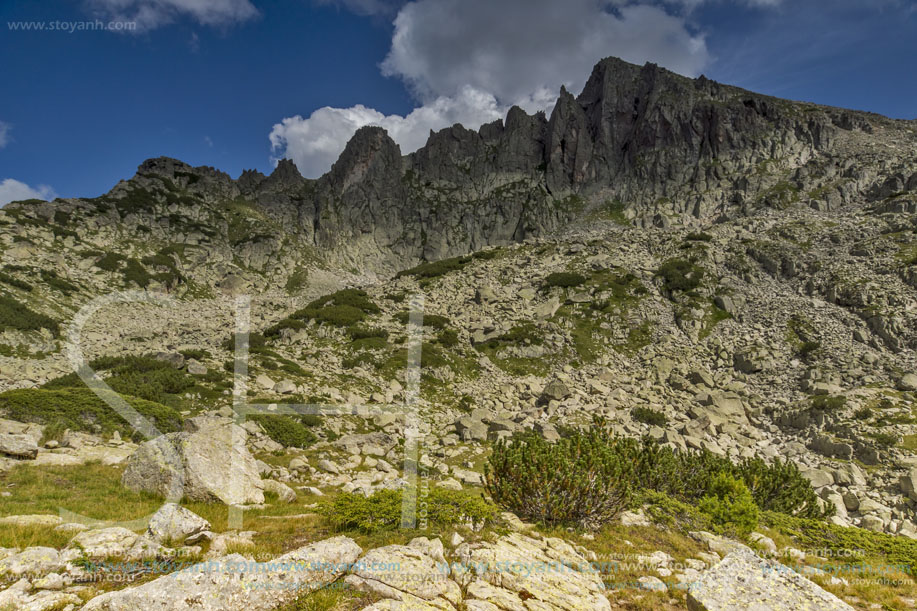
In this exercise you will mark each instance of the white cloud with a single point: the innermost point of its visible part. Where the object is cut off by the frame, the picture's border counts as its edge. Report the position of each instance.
(316, 142)
(4, 134)
(13, 191)
(150, 14)
(513, 48)
(468, 61)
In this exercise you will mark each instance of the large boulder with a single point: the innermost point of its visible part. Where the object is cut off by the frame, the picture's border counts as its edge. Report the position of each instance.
(115, 542)
(908, 382)
(175, 523)
(209, 465)
(18, 446)
(493, 574)
(744, 581)
(236, 582)
(555, 391)
(722, 407)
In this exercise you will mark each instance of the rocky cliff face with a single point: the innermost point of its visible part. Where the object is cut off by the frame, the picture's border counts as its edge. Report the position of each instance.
(652, 145)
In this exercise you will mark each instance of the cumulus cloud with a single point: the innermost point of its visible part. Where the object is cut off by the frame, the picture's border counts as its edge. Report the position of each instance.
(314, 143)
(514, 48)
(468, 61)
(13, 191)
(150, 14)
(4, 134)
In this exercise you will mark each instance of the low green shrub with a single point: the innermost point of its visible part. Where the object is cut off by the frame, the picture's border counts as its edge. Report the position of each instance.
(730, 505)
(381, 511)
(79, 409)
(563, 280)
(433, 321)
(286, 323)
(287, 430)
(680, 275)
(198, 354)
(579, 479)
(355, 298)
(359, 332)
(55, 282)
(369, 343)
(137, 376)
(698, 237)
(135, 273)
(589, 475)
(344, 308)
(15, 282)
(297, 280)
(15, 315)
(826, 403)
(110, 262)
(337, 315)
(434, 269)
(520, 335)
(894, 552)
(648, 416)
(448, 338)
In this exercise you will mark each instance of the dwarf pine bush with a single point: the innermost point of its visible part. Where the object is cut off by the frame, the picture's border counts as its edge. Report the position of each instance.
(730, 505)
(586, 478)
(578, 480)
(381, 511)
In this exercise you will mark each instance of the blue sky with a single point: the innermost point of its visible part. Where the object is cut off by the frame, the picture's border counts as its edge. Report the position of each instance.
(237, 84)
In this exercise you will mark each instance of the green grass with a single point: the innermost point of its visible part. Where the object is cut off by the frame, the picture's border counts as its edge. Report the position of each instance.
(79, 409)
(287, 430)
(15, 315)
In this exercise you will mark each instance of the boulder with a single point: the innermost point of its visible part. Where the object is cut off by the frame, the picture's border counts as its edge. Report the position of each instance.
(18, 446)
(210, 465)
(196, 368)
(32, 561)
(114, 542)
(745, 581)
(20, 596)
(175, 523)
(235, 582)
(372, 574)
(908, 484)
(908, 382)
(506, 566)
(284, 493)
(723, 407)
(471, 429)
(555, 391)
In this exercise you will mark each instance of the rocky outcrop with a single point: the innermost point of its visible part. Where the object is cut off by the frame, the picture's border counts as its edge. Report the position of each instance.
(236, 582)
(212, 464)
(515, 572)
(744, 580)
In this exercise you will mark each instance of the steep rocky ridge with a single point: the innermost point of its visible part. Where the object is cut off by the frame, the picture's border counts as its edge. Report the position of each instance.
(642, 142)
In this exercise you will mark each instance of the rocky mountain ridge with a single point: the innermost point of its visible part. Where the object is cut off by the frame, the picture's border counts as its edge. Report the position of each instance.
(641, 142)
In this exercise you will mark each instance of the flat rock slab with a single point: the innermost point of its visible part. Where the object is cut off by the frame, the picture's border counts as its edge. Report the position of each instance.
(744, 581)
(236, 582)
